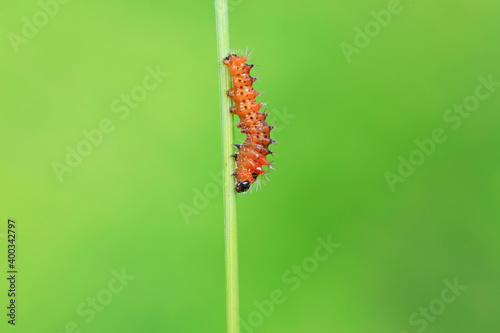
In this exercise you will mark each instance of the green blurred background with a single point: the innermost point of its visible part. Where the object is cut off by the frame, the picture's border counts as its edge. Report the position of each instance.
(146, 200)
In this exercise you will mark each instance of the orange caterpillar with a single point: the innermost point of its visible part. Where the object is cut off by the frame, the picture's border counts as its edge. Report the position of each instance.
(252, 153)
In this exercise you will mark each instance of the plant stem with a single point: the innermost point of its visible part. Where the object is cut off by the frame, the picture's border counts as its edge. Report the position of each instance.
(229, 199)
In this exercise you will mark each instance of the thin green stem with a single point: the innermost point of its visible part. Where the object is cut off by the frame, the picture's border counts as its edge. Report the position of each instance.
(227, 129)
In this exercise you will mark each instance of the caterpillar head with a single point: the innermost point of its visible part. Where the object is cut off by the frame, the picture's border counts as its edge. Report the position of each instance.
(237, 64)
(228, 58)
(242, 186)
(244, 180)
(234, 59)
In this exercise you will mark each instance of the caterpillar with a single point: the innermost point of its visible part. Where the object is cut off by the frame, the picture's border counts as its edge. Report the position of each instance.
(252, 153)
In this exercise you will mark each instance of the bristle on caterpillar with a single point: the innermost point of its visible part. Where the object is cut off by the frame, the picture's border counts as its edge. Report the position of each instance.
(252, 153)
